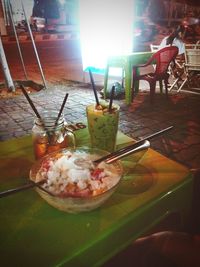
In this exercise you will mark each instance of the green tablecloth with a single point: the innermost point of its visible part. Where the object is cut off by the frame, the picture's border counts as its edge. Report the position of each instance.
(32, 233)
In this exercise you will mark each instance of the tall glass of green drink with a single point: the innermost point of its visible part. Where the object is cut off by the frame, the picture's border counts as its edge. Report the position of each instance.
(103, 125)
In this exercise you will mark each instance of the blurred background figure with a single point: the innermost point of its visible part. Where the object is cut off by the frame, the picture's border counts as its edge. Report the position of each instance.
(175, 38)
(170, 249)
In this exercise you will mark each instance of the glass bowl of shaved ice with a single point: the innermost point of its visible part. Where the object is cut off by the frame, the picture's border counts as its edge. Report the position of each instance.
(73, 182)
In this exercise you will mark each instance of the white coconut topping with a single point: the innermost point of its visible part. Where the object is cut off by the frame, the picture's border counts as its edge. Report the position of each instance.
(66, 178)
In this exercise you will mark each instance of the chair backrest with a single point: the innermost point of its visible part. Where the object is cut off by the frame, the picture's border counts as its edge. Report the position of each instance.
(154, 48)
(197, 45)
(163, 58)
(192, 57)
(193, 46)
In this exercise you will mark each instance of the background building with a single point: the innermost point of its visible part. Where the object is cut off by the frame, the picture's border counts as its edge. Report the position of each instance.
(58, 15)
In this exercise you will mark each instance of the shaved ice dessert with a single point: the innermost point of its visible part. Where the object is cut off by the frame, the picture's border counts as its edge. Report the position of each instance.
(74, 181)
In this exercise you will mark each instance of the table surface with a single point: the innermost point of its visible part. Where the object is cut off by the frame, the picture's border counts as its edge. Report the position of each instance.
(32, 233)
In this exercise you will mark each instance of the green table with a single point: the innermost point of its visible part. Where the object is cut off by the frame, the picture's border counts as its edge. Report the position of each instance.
(32, 233)
(126, 62)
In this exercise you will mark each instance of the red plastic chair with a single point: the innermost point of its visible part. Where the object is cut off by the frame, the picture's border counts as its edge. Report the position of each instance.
(161, 60)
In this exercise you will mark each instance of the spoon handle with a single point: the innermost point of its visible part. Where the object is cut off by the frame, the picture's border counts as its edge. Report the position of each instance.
(20, 188)
(133, 146)
(143, 146)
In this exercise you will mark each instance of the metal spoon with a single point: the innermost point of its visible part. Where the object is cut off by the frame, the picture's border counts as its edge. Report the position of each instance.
(23, 188)
(84, 163)
(125, 151)
(136, 147)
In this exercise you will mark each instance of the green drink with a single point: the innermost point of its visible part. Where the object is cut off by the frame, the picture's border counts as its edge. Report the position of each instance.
(103, 125)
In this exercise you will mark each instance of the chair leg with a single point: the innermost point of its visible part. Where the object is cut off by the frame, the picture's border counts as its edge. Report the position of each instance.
(152, 91)
(166, 87)
(184, 82)
(173, 84)
(161, 86)
(133, 90)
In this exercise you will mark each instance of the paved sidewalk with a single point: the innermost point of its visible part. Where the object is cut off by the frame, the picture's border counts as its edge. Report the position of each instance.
(137, 120)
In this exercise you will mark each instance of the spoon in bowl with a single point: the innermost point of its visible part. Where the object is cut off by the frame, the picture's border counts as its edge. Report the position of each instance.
(125, 151)
(136, 147)
(23, 188)
(83, 163)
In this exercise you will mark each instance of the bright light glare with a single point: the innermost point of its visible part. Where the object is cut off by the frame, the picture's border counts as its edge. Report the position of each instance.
(62, 2)
(105, 30)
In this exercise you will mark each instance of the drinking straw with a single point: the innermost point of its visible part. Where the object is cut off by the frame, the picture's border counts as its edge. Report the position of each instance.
(35, 110)
(61, 109)
(30, 101)
(111, 98)
(94, 87)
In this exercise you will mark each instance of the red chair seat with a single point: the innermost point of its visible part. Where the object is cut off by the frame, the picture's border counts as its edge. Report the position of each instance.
(161, 59)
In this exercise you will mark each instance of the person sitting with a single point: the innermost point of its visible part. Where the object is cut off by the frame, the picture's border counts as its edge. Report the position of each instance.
(176, 38)
(178, 247)
(168, 249)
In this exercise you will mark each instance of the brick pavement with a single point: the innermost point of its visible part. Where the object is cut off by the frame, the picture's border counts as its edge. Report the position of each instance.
(137, 120)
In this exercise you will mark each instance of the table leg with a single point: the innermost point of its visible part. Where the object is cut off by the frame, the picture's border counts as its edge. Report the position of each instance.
(128, 90)
(128, 86)
(136, 83)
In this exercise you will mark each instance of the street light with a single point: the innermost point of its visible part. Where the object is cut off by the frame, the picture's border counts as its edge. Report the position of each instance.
(105, 30)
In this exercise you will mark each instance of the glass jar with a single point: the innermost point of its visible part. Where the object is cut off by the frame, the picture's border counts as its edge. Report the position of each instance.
(49, 136)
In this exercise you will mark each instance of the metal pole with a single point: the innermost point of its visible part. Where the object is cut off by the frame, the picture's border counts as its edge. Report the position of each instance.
(5, 68)
(34, 47)
(4, 4)
(16, 36)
